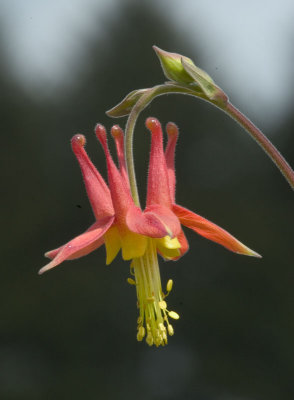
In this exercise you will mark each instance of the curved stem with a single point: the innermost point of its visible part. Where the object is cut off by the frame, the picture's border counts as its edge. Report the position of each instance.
(231, 110)
(129, 134)
(263, 141)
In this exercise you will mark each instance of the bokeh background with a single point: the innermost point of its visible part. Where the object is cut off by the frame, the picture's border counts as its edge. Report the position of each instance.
(71, 333)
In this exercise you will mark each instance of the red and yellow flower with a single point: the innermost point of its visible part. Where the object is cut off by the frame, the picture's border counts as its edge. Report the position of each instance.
(140, 235)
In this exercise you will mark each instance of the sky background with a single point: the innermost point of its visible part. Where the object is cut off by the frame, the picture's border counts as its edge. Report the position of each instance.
(248, 43)
(71, 333)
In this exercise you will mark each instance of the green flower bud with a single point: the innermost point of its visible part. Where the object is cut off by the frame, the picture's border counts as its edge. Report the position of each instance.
(182, 70)
(171, 64)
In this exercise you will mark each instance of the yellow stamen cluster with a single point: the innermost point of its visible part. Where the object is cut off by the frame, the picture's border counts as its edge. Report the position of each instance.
(153, 321)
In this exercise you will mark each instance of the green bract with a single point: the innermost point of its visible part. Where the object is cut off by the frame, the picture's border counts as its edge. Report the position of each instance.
(125, 106)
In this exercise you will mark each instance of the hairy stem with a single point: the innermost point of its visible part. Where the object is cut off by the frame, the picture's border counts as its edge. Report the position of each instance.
(228, 108)
(263, 141)
(129, 134)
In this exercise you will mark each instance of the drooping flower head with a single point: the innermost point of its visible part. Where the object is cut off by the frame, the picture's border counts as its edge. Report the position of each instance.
(120, 224)
(139, 234)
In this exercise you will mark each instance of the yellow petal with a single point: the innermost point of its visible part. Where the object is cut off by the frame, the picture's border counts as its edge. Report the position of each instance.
(168, 248)
(169, 243)
(133, 245)
(112, 244)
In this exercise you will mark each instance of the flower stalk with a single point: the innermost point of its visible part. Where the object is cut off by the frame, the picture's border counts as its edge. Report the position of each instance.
(186, 78)
(129, 135)
(263, 141)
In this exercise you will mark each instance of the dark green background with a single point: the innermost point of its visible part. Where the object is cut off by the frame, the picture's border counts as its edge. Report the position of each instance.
(71, 333)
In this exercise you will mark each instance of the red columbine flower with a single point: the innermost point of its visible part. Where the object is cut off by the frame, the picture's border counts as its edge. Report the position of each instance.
(121, 225)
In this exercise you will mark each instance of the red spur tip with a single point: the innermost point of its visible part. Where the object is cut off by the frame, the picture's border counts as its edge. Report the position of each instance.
(172, 129)
(117, 132)
(152, 123)
(78, 140)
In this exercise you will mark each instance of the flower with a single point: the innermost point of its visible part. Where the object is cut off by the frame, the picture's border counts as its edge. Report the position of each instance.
(120, 224)
(140, 235)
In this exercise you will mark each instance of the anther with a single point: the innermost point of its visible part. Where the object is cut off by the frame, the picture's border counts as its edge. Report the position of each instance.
(162, 327)
(139, 337)
(164, 337)
(170, 330)
(131, 281)
(169, 285)
(141, 333)
(173, 315)
(149, 339)
(162, 305)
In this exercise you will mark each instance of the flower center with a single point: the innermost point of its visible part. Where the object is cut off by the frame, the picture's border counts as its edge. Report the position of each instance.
(153, 320)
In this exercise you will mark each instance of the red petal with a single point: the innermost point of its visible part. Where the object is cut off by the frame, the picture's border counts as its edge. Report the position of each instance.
(166, 217)
(146, 224)
(183, 242)
(97, 190)
(120, 193)
(118, 136)
(53, 253)
(172, 132)
(80, 245)
(211, 231)
(158, 191)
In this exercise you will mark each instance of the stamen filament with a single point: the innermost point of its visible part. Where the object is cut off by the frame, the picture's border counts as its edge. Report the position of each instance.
(153, 315)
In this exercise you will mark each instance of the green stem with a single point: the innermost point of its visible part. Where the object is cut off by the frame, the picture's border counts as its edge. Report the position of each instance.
(263, 141)
(129, 134)
(231, 110)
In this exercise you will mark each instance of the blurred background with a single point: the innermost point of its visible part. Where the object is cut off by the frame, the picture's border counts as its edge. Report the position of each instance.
(71, 333)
